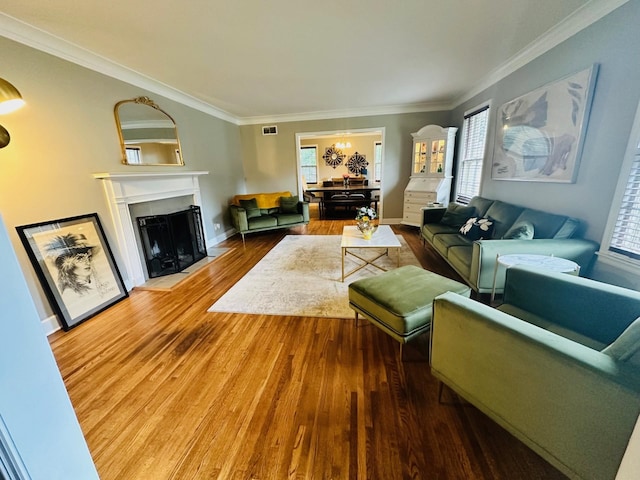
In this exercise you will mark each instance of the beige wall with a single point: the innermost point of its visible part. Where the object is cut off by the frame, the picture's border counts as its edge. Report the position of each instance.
(66, 132)
(363, 144)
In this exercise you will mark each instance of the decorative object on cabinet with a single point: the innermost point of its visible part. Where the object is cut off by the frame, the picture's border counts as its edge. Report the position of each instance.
(75, 266)
(357, 163)
(333, 156)
(148, 134)
(10, 101)
(539, 135)
(431, 166)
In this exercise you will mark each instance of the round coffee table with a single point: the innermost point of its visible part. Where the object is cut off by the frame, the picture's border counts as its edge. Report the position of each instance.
(546, 262)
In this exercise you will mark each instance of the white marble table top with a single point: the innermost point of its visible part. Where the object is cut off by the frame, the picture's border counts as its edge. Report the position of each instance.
(383, 237)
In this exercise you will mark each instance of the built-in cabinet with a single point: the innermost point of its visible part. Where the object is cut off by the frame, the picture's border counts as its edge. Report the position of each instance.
(431, 167)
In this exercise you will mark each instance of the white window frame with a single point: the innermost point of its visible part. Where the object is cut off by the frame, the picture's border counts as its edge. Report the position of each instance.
(632, 155)
(315, 147)
(485, 106)
(377, 161)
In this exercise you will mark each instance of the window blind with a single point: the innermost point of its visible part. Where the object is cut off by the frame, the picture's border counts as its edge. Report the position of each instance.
(625, 238)
(474, 132)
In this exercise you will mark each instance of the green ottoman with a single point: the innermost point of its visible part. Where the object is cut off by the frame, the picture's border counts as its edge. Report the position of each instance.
(399, 301)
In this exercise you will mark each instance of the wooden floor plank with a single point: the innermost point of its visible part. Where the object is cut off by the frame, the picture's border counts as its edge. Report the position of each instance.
(164, 389)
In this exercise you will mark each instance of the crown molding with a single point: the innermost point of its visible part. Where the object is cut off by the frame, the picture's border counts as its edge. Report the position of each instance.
(579, 20)
(348, 113)
(22, 32)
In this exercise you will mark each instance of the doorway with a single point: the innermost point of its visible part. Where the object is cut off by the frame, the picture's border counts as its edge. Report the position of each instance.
(352, 145)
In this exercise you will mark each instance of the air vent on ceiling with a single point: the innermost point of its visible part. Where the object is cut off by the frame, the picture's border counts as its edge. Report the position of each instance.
(270, 130)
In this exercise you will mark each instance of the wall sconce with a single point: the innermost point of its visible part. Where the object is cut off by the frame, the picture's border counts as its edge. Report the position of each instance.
(10, 100)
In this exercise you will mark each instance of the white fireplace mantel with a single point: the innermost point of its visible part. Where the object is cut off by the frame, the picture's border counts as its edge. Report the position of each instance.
(124, 189)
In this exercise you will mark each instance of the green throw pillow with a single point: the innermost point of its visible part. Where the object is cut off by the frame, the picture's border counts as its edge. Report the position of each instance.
(626, 348)
(251, 207)
(289, 204)
(456, 215)
(520, 231)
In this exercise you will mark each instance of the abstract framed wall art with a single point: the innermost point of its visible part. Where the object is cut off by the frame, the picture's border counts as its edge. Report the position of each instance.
(539, 136)
(75, 266)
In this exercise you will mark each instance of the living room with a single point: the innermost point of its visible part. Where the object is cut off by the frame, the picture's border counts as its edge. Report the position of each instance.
(66, 133)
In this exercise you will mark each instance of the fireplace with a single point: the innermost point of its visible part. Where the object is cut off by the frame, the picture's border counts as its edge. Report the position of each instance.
(172, 242)
(124, 191)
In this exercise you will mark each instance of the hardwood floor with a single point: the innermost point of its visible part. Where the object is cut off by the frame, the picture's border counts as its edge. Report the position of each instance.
(165, 390)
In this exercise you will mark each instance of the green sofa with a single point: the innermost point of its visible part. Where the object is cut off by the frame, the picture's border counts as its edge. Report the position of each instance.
(551, 365)
(259, 212)
(515, 230)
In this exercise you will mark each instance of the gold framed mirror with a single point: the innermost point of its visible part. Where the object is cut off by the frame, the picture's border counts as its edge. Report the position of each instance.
(148, 134)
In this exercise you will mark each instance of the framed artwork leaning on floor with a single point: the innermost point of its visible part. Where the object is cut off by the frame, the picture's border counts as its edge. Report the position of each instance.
(75, 266)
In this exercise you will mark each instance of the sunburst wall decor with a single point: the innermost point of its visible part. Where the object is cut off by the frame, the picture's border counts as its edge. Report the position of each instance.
(356, 163)
(333, 156)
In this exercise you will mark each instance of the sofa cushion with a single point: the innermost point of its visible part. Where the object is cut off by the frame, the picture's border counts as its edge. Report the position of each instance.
(521, 230)
(263, 221)
(546, 225)
(289, 204)
(477, 228)
(626, 348)
(251, 207)
(429, 230)
(459, 256)
(550, 326)
(457, 214)
(444, 241)
(481, 205)
(569, 227)
(288, 218)
(504, 216)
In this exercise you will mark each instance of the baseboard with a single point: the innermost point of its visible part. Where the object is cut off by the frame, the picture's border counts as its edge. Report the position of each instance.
(50, 325)
(222, 237)
(390, 221)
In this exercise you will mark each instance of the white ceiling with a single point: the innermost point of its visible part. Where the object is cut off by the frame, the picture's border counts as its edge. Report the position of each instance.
(253, 60)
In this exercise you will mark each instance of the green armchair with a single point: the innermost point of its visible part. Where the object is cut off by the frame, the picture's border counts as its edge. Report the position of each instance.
(557, 365)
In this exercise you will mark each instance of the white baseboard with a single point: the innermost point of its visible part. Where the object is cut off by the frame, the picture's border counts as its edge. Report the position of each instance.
(222, 237)
(50, 325)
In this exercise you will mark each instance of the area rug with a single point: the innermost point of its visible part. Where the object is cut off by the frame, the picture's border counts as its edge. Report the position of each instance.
(301, 276)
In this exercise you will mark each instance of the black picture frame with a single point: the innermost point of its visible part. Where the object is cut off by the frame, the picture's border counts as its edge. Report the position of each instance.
(75, 266)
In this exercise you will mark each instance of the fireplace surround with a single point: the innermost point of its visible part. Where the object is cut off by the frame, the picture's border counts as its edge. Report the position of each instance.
(125, 189)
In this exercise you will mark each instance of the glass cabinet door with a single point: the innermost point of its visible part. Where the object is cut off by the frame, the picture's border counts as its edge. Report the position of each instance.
(437, 156)
(420, 150)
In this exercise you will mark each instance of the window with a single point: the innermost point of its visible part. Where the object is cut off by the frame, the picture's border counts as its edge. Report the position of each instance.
(309, 163)
(621, 244)
(474, 138)
(377, 161)
(134, 155)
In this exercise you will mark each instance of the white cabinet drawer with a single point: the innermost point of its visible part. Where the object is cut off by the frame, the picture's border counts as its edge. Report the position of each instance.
(412, 218)
(416, 197)
(415, 208)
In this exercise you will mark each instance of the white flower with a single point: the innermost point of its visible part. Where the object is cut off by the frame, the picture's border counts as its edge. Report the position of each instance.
(368, 212)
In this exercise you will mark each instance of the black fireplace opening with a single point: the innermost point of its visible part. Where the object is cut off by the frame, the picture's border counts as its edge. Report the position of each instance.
(173, 241)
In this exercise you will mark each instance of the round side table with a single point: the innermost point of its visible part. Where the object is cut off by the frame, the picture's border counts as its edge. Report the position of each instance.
(547, 262)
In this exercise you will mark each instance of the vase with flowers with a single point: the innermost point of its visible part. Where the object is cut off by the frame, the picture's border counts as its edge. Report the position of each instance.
(366, 221)
(345, 179)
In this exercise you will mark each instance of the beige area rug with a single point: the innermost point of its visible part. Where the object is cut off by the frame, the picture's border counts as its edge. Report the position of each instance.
(301, 276)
